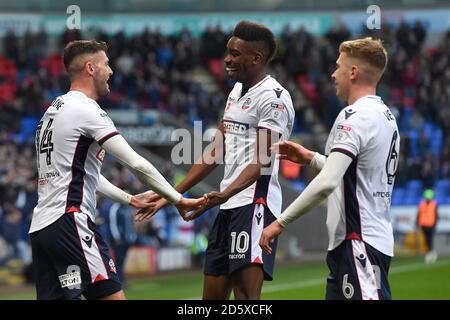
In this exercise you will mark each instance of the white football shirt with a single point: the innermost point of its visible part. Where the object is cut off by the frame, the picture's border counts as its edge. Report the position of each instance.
(265, 105)
(69, 157)
(359, 208)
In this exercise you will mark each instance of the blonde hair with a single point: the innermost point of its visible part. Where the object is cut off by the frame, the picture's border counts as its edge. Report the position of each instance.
(368, 50)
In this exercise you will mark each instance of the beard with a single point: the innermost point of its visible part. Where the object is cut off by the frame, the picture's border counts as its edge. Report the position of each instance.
(101, 86)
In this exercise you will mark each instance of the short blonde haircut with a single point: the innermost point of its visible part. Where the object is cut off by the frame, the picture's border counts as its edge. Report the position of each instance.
(368, 50)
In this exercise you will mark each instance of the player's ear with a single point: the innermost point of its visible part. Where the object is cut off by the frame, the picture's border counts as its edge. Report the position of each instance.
(258, 57)
(354, 72)
(90, 68)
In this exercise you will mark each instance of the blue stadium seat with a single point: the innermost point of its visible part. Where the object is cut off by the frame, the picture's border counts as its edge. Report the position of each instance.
(399, 191)
(411, 200)
(437, 134)
(298, 185)
(436, 146)
(413, 135)
(441, 199)
(429, 128)
(446, 201)
(28, 127)
(443, 184)
(440, 193)
(397, 200)
(414, 185)
(398, 195)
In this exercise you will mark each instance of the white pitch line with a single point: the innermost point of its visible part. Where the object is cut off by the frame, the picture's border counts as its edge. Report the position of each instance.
(319, 281)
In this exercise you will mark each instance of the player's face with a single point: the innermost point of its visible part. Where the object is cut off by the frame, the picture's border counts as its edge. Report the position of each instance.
(341, 77)
(102, 73)
(239, 60)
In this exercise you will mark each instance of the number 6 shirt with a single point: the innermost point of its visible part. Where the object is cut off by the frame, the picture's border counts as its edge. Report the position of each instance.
(359, 208)
(69, 157)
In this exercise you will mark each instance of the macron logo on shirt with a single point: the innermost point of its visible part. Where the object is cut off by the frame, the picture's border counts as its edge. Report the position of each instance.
(349, 113)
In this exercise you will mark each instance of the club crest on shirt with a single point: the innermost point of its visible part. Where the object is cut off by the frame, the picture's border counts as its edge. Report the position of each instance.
(101, 154)
(246, 104)
(341, 136)
(228, 106)
(112, 266)
(229, 103)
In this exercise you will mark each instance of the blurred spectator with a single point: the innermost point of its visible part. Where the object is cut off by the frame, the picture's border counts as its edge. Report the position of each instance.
(184, 76)
(427, 218)
(123, 234)
(10, 229)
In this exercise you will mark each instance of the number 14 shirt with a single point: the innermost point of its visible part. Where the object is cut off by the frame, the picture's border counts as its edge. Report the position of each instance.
(69, 157)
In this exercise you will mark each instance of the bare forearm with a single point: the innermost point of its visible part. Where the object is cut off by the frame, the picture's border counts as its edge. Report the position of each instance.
(211, 157)
(248, 176)
(197, 173)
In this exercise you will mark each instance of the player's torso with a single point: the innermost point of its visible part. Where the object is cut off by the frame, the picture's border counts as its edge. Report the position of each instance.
(240, 121)
(362, 201)
(68, 162)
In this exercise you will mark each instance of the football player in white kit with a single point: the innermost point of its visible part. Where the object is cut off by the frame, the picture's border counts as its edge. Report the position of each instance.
(258, 112)
(70, 257)
(357, 176)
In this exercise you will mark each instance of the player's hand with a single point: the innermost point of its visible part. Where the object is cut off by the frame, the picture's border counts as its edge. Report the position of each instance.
(148, 196)
(268, 235)
(148, 213)
(186, 205)
(214, 198)
(140, 202)
(292, 151)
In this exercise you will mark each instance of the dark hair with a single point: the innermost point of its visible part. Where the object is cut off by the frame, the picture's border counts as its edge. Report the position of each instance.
(252, 31)
(78, 47)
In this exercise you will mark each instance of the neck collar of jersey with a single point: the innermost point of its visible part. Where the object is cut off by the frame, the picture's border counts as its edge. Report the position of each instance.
(78, 93)
(257, 84)
(81, 95)
(369, 96)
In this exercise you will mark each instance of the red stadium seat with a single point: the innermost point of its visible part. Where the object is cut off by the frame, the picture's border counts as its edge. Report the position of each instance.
(215, 66)
(308, 88)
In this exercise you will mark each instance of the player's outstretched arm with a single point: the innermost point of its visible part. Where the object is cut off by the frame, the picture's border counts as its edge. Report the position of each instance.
(116, 194)
(148, 175)
(295, 152)
(248, 176)
(318, 190)
(201, 169)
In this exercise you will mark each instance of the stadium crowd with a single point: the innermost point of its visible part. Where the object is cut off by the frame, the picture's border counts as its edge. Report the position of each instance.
(154, 71)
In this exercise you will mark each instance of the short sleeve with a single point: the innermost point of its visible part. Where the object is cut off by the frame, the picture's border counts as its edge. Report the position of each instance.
(96, 124)
(274, 114)
(350, 132)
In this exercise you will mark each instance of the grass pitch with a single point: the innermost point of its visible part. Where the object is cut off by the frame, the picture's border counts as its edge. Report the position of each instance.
(410, 279)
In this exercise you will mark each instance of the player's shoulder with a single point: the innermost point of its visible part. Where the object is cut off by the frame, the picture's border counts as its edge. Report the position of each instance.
(363, 110)
(273, 88)
(80, 102)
